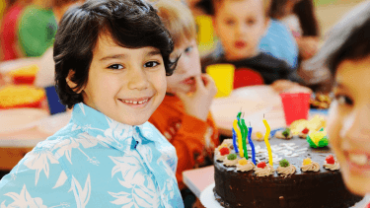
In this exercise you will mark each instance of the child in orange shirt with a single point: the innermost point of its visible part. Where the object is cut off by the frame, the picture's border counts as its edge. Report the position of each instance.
(183, 117)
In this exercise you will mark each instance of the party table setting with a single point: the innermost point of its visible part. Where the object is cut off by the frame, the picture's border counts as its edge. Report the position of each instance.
(28, 114)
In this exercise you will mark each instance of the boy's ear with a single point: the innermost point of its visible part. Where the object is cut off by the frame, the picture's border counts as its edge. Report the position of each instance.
(267, 24)
(71, 84)
(215, 26)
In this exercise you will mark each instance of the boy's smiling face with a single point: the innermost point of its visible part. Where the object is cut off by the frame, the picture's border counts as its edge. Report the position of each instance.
(125, 84)
(349, 123)
(188, 66)
(240, 25)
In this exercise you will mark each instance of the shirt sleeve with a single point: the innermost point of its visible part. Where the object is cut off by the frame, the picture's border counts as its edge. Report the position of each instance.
(38, 180)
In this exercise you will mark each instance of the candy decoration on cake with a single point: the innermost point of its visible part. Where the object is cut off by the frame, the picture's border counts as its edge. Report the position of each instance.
(227, 143)
(231, 160)
(263, 169)
(251, 143)
(317, 139)
(285, 169)
(244, 165)
(244, 134)
(268, 130)
(234, 141)
(286, 134)
(222, 153)
(331, 163)
(239, 136)
(303, 134)
(309, 165)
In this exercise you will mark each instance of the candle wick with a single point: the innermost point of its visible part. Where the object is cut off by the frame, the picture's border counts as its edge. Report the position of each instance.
(250, 124)
(263, 116)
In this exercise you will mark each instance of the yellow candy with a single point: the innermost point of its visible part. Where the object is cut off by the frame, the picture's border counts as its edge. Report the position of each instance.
(317, 136)
(307, 161)
(243, 161)
(259, 135)
(222, 145)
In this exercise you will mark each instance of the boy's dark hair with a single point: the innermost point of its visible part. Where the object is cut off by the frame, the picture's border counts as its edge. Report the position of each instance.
(348, 40)
(131, 23)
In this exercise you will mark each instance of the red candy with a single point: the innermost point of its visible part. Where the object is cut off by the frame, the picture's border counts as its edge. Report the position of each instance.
(224, 151)
(305, 131)
(261, 164)
(330, 159)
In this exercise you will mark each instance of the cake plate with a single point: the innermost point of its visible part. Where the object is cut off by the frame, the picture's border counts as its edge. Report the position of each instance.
(208, 200)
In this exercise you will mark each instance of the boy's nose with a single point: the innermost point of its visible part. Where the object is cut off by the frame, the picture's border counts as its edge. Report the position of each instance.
(356, 126)
(138, 80)
(240, 29)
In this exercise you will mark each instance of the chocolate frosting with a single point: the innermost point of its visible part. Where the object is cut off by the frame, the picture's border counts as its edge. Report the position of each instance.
(325, 188)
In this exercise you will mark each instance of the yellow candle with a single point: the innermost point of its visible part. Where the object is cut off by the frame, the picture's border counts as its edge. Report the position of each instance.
(268, 130)
(239, 136)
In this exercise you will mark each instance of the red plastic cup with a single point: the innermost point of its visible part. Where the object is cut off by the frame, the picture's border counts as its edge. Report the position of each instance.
(296, 106)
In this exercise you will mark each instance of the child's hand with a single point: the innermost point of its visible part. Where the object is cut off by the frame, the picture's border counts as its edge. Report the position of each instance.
(289, 86)
(198, 103)
(308, 47)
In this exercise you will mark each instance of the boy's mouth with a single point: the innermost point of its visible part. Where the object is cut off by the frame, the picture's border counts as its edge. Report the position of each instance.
(240, 44)
(189, 81)
(136, 101)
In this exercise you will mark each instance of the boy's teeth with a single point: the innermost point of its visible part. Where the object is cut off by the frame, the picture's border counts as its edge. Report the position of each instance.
(136, 102)
(358, 159)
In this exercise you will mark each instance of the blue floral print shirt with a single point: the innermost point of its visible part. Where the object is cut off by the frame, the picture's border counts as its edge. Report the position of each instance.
(95, 161)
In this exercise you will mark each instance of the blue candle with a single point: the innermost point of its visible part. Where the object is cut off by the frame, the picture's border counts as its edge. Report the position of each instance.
(234, 141)
(252, 145)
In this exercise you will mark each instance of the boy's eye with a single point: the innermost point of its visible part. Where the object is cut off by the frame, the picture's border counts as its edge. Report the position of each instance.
(251, 21)
(344, 100)
(230, 22)
(189, 49)
(151, 64)
(115, 66)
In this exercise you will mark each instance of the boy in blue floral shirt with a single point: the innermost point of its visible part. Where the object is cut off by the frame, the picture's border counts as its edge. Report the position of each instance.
(112, 58)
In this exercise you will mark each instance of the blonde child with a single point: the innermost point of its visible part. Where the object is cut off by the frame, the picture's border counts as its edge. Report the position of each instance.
(240, 25)
(184, 117)
(111, 59)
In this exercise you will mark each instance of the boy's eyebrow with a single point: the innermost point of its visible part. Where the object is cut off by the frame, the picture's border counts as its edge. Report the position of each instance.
(121, 56)
(153, 53)
(115, 56)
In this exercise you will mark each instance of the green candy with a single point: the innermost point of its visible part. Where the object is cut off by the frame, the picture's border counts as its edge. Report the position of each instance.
(322, 143)
(284, 163)
(286, 132)
(231, 157)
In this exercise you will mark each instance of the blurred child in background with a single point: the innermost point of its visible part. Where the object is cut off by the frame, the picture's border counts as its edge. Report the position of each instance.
(9, 29)
(347, 54)
(184, 117)
(277, 40)
(240, 25)
(299, 17)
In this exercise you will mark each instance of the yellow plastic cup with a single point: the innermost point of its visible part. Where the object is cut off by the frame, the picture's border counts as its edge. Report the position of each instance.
(223, 75)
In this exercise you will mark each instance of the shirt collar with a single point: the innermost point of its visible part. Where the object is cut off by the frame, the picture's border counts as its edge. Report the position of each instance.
(99, 125)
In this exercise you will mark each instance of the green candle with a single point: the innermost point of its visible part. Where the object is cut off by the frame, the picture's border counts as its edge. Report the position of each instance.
(245, 130)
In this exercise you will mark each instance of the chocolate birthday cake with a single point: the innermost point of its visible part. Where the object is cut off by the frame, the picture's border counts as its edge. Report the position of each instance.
(300, 177)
